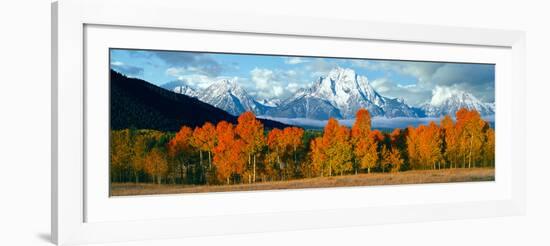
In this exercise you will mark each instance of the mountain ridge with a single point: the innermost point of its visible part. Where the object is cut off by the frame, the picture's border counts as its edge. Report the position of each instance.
(140, 104)
(339, 93)
(451, 103)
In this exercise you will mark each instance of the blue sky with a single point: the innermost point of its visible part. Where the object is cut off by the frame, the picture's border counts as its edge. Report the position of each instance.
(271, 76)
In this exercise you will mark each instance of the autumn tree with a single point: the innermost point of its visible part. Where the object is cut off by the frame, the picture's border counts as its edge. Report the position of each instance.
(292, 140)
(142, 146)
(251, 131)
(451, 138)
(413, 147)
(329, 134)
(179, 148)
(434, 136)
(391, 158)
(276, 148)
(229, 155)
(333, 148)
(364, 148)
(430, 145)
(156, 165)
(424, 146)
(340, 151)
(121, 154)
(320, 147)
(318, 156)
(489, 148)
(204, 138)
(398, 139)
(471, 137)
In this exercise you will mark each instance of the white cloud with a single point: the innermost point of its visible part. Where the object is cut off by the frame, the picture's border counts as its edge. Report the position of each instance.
(117, 63)
(477, 79)
(441, 93)
(128, 70)
(409, 86)
(320, 67)
(197, 80)
(178, 71)
(274, 83)
(295, 60)
(174, 71)
(413, 94)
(262, 78)
(380, 85)
(293, 87)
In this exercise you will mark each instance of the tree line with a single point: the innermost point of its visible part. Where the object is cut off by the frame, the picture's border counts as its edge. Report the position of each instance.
(245, 152)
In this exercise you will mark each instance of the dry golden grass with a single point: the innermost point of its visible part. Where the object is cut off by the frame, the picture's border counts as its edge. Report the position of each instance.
(409, 177)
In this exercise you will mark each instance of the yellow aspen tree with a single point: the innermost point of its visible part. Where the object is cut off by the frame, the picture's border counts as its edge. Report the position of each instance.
(363, 147)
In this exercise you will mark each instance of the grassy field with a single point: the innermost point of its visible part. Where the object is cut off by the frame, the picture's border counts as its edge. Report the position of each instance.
(408, 177)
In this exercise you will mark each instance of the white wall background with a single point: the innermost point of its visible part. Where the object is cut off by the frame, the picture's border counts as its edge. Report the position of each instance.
(25, 123)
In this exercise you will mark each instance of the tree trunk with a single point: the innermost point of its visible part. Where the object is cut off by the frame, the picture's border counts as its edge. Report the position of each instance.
(181, 173)
(470, 152)
(368, 169)
(201, 167)
(294, 156)
(254, 172)
(200, 157)
(209, 161)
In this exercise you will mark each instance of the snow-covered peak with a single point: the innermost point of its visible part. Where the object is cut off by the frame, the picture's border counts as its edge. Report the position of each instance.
(181, 87)
(346, 92)
(441, 95)
(230, 96)
(185, 90)
(447, 100)
(270, 102)
(340, 73)
(226, 84)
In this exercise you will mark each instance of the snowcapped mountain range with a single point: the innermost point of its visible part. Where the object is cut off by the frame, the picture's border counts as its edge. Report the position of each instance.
(339, 94)
(453, 102)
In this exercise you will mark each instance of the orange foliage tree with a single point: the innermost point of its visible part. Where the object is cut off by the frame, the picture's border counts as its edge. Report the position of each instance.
(204, 139)
(233, 150)
(489, 148)
(276, 148)
(391, 158)
(251, 131)
(292, 140)
(451, 146)
(179, 149)
(364, 147)
(229, 157)
(424, 146)
(317, 155)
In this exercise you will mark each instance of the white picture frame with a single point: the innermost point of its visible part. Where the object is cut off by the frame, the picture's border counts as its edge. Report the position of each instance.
(76, 220)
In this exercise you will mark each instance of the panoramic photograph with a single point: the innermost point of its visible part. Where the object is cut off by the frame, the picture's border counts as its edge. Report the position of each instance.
(194, 122)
